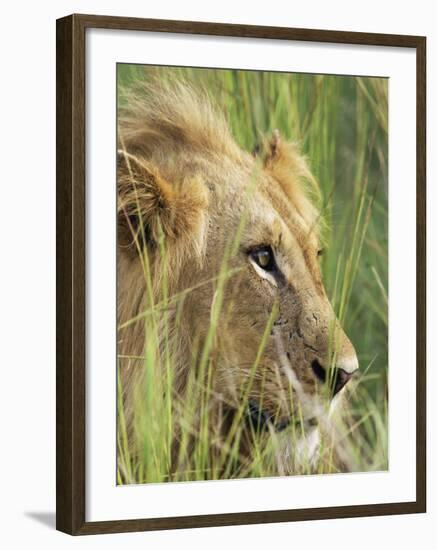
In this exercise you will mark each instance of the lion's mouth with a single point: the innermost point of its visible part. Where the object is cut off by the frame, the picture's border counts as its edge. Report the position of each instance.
(260, 419)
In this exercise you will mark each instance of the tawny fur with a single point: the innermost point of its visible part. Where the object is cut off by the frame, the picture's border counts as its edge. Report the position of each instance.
(183, 181)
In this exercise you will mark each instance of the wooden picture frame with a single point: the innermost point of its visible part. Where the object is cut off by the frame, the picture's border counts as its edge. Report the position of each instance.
(71, 283)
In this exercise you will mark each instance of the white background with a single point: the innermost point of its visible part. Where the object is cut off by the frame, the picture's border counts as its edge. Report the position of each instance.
(27, 402)
(106, 501)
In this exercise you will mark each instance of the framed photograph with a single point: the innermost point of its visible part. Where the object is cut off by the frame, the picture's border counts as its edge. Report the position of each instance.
(240, 274)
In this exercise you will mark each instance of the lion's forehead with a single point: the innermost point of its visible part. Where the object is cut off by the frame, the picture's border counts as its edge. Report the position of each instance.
(282, 222)
(290, 223)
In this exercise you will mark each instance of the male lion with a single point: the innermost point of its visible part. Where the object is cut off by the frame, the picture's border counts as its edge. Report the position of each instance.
(219, 287)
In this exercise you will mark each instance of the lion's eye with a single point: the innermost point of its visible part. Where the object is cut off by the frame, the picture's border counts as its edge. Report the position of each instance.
(320, 252)
(264, 257)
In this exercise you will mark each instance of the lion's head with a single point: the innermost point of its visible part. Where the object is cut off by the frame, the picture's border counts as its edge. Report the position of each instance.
(242, 235)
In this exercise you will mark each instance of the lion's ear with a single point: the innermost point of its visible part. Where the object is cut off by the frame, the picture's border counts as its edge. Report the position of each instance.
(285, 162)
(289, 168)
(150, 207)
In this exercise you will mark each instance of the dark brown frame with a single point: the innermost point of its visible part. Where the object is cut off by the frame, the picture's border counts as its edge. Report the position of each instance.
(70, 298)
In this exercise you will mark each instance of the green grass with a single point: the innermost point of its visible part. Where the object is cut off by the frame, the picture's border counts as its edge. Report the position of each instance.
(341, 124)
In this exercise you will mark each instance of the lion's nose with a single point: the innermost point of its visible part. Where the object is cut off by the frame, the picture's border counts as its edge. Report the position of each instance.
(339, 378)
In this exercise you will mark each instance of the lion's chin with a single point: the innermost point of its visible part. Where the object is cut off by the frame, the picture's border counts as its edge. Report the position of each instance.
(299, 456)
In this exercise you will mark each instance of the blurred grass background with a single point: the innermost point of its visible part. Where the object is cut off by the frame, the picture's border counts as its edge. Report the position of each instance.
(341, 124)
